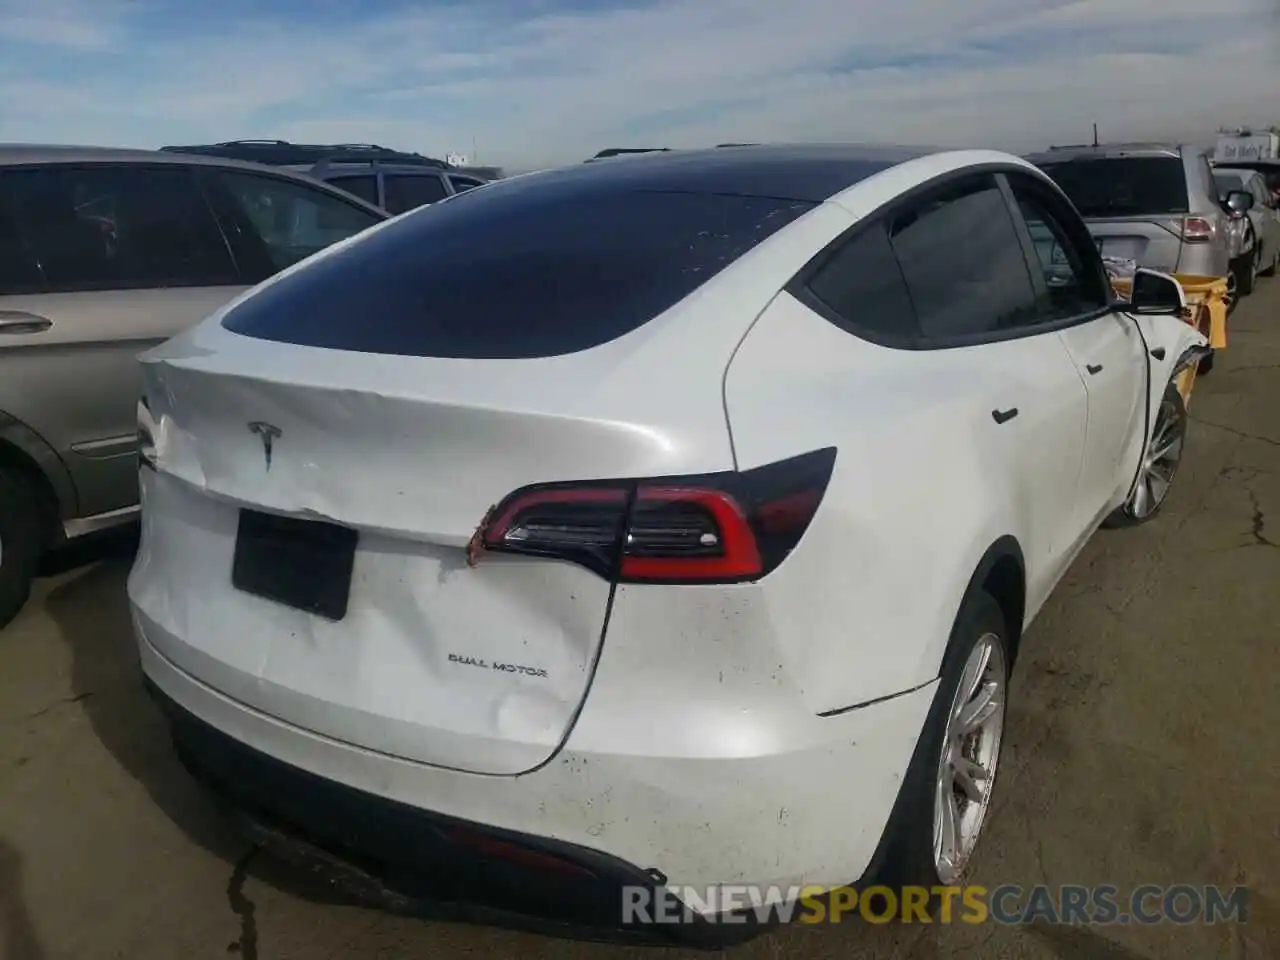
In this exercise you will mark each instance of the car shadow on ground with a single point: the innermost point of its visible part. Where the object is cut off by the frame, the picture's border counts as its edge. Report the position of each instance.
(18, 939)
(90, 608)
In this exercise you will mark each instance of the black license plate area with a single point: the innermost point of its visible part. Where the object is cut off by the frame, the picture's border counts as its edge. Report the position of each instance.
(304, 564)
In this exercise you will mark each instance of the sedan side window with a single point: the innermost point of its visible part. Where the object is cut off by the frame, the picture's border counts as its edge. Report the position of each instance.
(1071, 275)
(963, 262)
(291, 220)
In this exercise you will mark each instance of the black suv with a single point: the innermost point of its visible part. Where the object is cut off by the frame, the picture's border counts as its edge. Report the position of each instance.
(394, 180)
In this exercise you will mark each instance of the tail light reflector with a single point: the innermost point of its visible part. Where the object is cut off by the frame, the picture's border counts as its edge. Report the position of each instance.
(714, 528)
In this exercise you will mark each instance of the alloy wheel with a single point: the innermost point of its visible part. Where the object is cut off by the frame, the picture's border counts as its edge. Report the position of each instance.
(1161, 460)
(970, 753)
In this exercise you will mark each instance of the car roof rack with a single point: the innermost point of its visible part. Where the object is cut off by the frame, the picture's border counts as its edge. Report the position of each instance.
(281, 153)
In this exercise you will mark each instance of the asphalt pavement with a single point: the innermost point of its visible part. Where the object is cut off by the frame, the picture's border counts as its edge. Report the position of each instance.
(1142, 749)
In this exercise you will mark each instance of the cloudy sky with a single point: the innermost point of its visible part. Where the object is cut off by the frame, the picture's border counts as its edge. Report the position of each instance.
(535, 82)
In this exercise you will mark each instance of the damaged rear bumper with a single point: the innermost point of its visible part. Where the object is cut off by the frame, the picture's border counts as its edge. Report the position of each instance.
(561, 842)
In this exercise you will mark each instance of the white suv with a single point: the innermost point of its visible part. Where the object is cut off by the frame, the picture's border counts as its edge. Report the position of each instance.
(657, 524)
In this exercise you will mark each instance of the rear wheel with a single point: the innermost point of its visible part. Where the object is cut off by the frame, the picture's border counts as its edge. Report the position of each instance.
(942, 808)
(20, 543)
(1160, 463)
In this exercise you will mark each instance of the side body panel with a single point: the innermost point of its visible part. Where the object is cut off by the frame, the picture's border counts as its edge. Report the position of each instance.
(925, 481)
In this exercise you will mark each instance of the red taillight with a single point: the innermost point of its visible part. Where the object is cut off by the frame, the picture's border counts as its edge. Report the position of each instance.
(1196, 230)
(716, 528)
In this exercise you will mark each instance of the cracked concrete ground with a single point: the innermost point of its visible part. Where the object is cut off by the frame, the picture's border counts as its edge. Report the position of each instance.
(1142, 749)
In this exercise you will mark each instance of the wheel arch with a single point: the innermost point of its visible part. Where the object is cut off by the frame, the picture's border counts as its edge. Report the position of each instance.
(24, 452)
(1002, 573)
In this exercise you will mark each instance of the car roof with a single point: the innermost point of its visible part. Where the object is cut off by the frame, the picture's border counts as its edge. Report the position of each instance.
(802, 172)
(1112, 151)
(16, 154)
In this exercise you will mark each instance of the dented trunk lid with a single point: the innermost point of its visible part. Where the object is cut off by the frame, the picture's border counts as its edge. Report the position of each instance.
(478, 668)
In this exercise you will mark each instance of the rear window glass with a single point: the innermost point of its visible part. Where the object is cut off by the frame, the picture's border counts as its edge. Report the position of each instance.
(1227, 183)
(516, 270)
(1123, 186)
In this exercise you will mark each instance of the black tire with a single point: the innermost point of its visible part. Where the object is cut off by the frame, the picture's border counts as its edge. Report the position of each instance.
(1205, 365)
(907, 858)
(1246, 274)
(21, 543)
(1124, 516)
(1233, 288)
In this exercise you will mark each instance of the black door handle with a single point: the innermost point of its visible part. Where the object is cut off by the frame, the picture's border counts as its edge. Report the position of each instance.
(1158, 353)
(1094, 368)
(1003, 416)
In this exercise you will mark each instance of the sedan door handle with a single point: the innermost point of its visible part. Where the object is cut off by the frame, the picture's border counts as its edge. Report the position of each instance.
(1004, 416)
(19, 321)
(1094, 368)
(1158, 353)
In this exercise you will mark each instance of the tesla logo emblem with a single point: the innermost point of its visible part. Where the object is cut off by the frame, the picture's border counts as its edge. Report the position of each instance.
(268, 433)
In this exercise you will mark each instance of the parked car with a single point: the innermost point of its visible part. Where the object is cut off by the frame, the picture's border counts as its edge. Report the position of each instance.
(104, 253)
(655, 523)
(1262, 218)
(1156, 204)
(392, 179)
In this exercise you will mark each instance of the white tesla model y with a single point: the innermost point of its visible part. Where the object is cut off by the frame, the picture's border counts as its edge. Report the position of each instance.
(671, 521)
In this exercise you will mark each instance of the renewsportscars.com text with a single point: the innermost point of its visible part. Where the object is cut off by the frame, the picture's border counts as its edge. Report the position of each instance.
(1008, 904)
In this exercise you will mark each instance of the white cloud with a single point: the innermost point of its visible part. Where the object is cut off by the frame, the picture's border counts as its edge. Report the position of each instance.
(556, 86)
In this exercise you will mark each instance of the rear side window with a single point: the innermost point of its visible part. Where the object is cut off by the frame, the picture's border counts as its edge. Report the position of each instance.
(863, 288)
(364, 187)
(463, 183)
(278, 222)
(408, 192)
(1123, 186)
(115, 227)
(963, 263)
(514, 270)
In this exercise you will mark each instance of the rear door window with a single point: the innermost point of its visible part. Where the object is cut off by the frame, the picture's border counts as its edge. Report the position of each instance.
(364, 187)
(514, 270)
(1123, 186)
(107, 227)
(277, 222)
(408, 192)
(963, 263)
